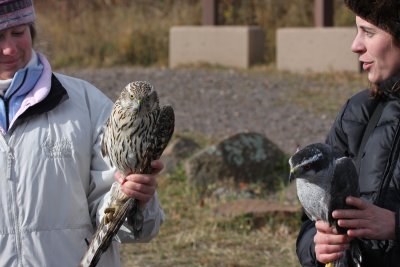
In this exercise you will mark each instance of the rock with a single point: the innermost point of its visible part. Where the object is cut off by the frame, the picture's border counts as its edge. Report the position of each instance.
(241, 158)
(179, 149)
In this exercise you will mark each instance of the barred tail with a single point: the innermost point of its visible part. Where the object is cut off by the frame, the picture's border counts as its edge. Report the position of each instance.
(355, 254)
(352, 256)
(104, 235)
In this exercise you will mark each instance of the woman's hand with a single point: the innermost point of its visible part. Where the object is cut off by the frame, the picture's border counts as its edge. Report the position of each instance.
(140, 186)
(367, 220)
(329, 245)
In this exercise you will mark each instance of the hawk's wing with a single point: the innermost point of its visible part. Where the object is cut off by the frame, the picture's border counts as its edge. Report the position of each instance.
(162, 133)
(344, 183)
(164, 130)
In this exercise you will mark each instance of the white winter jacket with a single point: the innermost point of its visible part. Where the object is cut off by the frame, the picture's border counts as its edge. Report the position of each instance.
(54, 181)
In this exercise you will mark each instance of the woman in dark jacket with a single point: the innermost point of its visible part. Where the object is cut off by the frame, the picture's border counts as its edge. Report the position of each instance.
(375, 219)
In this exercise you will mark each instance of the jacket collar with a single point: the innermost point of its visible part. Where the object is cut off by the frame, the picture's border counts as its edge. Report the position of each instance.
(56, 96)
(47, 93)
(390, 88)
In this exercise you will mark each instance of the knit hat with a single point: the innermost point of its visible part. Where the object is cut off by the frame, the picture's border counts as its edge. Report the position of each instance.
(384, 14)
(16, 12)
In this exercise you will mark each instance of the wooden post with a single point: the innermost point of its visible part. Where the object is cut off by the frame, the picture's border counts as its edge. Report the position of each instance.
(210, 12)
(323, 13)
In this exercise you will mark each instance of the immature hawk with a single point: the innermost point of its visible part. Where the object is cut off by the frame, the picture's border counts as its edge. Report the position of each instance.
(136, 133)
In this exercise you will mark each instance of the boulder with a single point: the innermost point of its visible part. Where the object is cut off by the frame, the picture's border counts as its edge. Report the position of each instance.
(241, 158)
(179, 149)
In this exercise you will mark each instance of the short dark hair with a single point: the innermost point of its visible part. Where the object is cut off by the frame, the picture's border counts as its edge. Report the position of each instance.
(33, 31)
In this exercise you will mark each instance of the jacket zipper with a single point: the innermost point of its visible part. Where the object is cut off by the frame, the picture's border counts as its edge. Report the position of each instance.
(387, 177)
(14, 207)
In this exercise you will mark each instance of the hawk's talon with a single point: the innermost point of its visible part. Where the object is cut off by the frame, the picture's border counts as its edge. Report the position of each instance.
(109, 213)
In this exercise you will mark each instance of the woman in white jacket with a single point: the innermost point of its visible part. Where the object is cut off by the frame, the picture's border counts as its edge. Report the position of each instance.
(54, 181)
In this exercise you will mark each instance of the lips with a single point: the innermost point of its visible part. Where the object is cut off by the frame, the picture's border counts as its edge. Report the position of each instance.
(9, 62)
(367, 65)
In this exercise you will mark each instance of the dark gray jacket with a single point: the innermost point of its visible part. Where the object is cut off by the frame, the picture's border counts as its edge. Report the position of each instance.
(379, 170)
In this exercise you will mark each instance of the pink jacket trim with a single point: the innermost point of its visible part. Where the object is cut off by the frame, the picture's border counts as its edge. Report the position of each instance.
(39, 92)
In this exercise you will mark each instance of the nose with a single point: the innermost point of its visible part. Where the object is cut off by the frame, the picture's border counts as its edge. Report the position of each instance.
(8, 47)
(358, 46)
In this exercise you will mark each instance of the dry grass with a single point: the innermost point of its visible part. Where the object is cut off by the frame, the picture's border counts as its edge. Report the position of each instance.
(116, 32)
(107, 35)
(193, 236)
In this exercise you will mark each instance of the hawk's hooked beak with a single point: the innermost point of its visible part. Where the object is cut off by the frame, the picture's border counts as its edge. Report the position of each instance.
(139, 105)
(291, 176)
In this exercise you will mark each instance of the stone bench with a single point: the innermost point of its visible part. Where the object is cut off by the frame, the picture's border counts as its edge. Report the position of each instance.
(316, 49)
(232, 46)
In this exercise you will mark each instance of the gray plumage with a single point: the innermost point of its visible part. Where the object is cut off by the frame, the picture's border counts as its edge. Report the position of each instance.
(323, 182)
(135, 134)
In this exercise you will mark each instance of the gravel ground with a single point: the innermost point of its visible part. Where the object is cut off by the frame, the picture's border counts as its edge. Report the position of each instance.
(222, 102)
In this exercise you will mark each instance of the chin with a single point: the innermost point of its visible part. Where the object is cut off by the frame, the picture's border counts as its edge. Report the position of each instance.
(374, 79)
(6, 76)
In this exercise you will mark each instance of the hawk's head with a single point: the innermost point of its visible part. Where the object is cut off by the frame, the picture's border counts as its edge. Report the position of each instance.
(138, 98)
(309, 162)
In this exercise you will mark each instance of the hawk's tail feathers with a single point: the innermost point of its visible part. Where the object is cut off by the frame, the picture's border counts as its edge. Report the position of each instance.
(355, 255)
(352, 257)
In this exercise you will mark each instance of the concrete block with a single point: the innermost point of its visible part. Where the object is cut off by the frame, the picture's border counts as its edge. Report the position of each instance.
(232, 46)
(316, 49)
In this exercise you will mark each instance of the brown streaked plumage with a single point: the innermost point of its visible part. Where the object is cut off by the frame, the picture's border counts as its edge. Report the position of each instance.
(136, 133)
